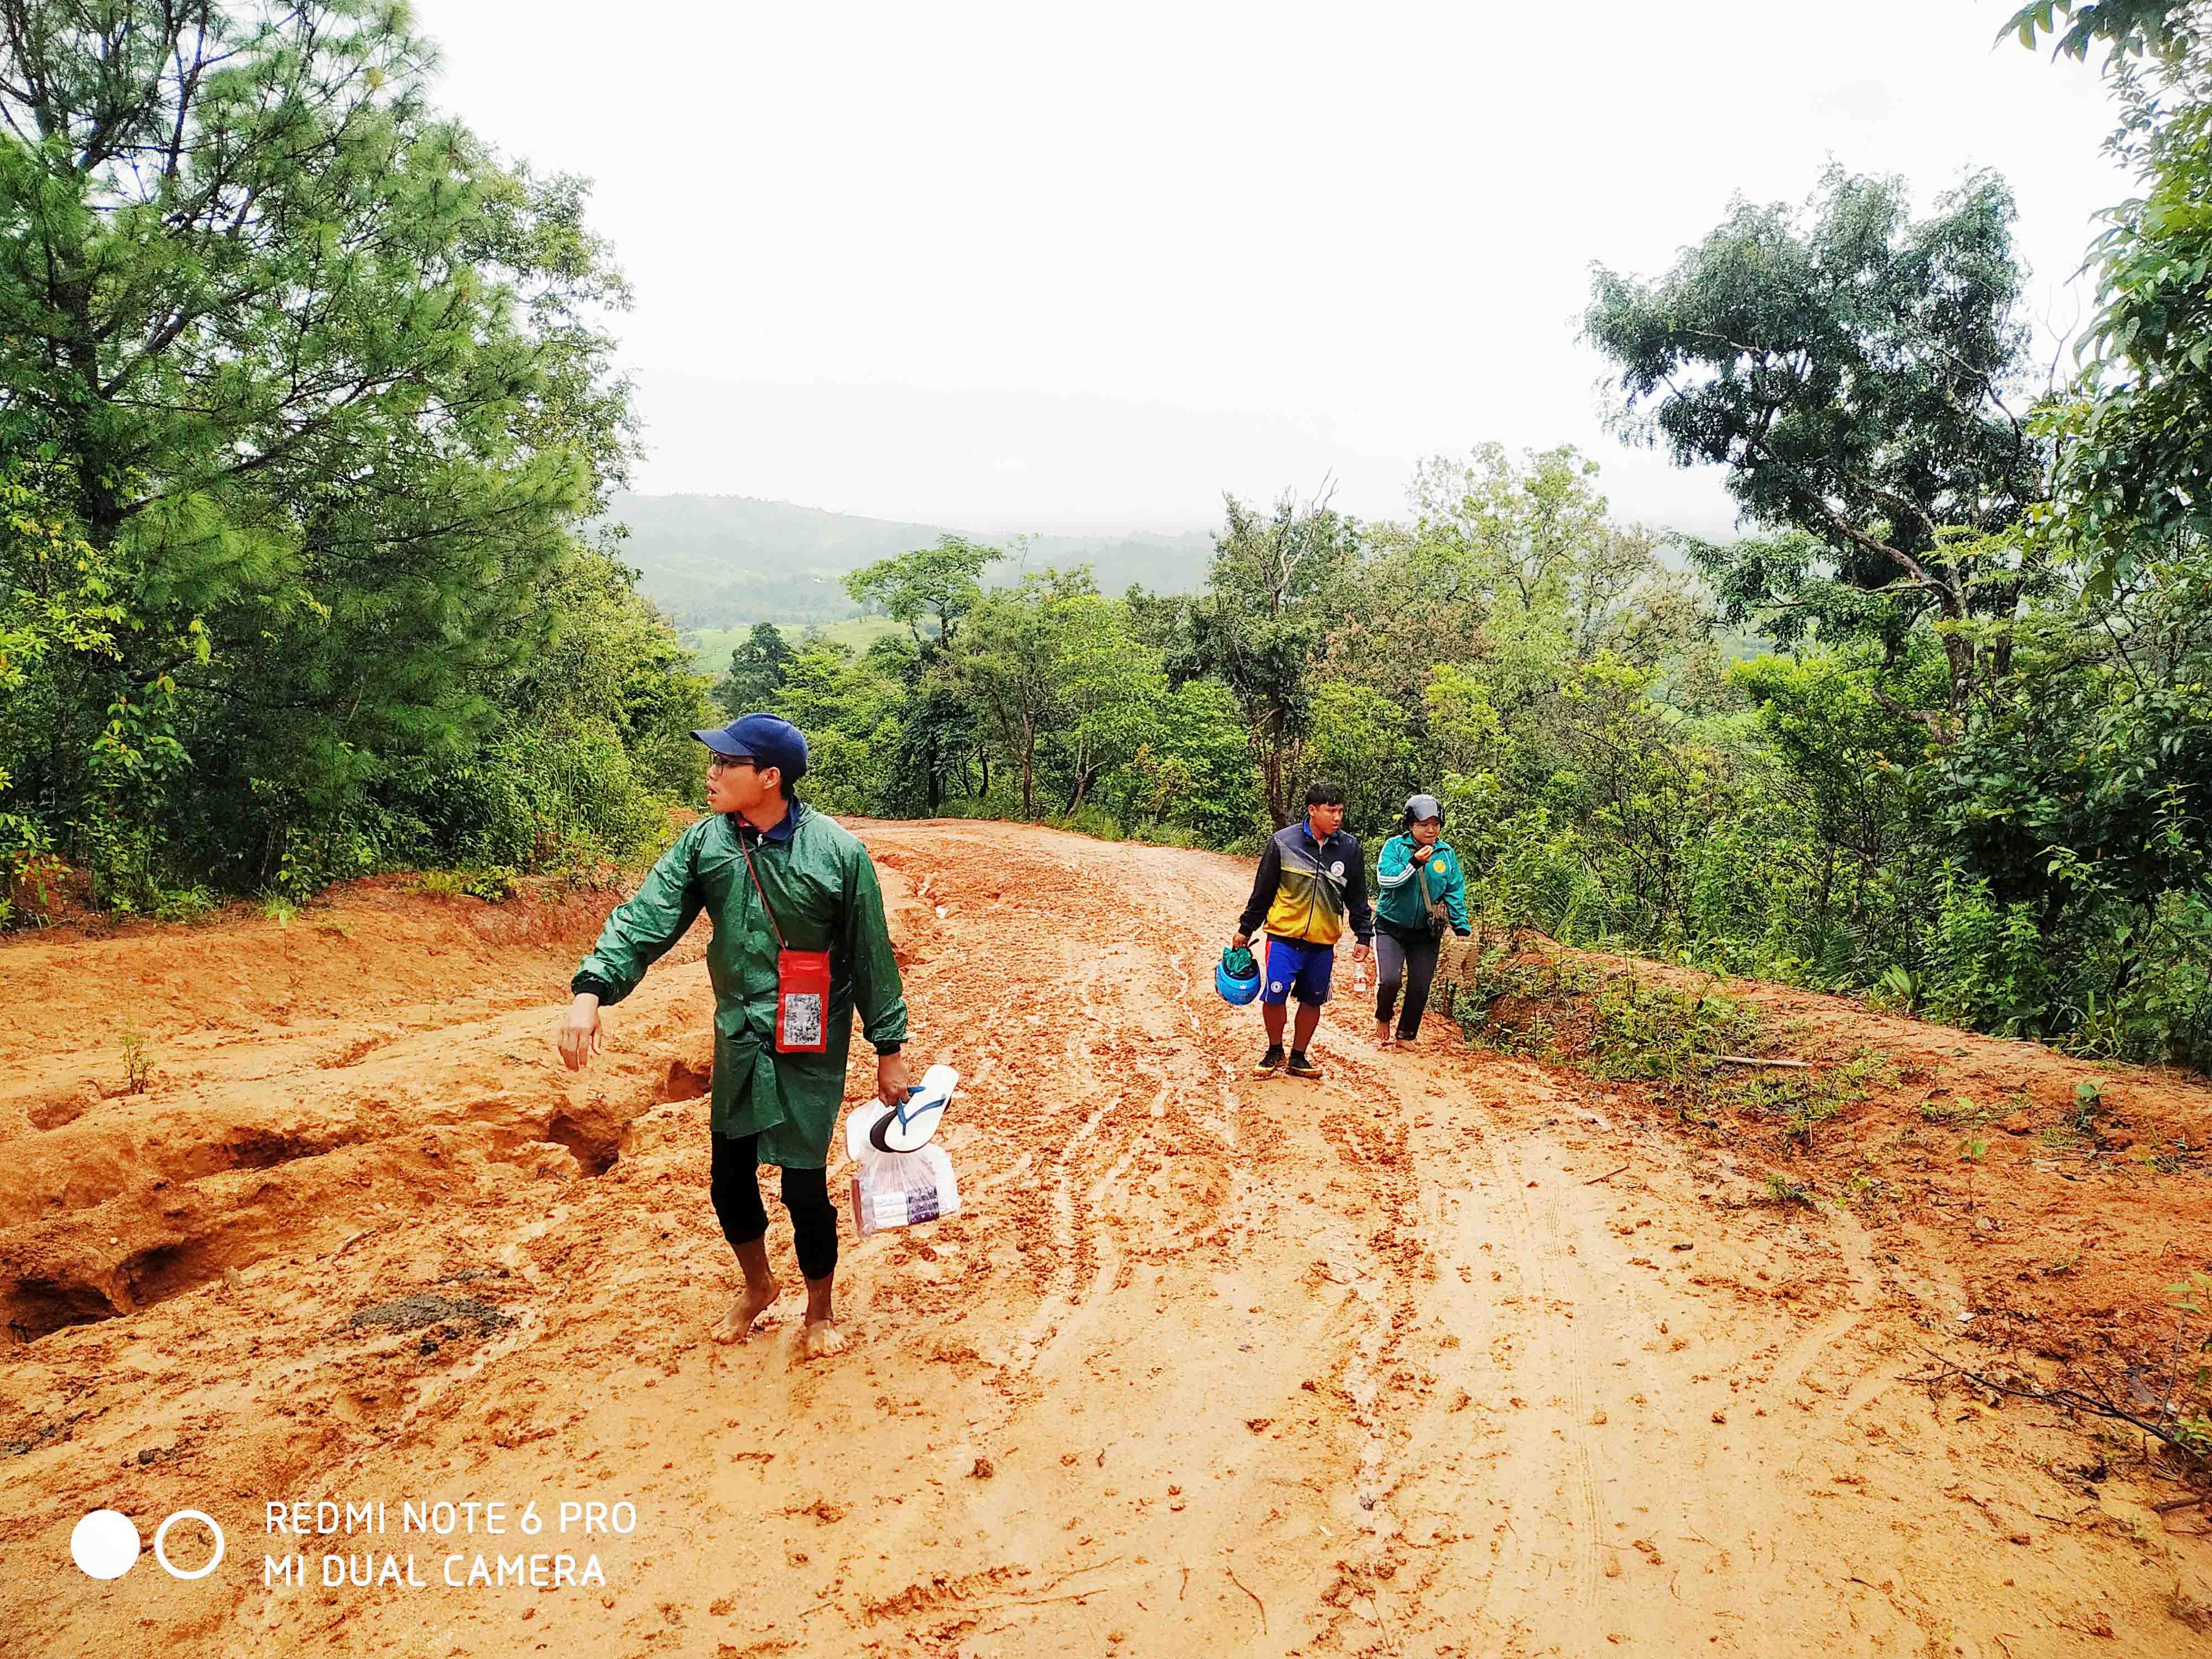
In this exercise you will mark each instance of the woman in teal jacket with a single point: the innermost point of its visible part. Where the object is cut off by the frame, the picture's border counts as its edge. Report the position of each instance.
(1417, 877)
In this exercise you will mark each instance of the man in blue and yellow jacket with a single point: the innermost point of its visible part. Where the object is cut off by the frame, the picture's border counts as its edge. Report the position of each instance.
(1312, 879)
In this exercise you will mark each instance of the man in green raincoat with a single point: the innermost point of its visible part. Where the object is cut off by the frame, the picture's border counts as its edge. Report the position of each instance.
(780, 880)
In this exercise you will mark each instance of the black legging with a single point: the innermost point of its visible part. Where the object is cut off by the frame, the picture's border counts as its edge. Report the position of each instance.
(735, 1183)
(1416, 954)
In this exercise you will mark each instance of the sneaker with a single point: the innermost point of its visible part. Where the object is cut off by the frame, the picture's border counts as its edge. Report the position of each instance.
(1271, 1062)
(1301, 1066)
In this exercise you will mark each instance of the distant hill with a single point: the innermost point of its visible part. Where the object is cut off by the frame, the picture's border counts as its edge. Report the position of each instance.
(719, 561)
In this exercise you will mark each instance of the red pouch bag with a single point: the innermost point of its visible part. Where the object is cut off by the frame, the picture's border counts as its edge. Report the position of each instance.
(802, 985)
(802, 1001)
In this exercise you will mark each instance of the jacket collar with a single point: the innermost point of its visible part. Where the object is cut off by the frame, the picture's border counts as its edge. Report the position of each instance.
(778, 837)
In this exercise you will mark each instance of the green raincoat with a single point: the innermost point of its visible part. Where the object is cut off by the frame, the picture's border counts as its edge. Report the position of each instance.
(823, 892)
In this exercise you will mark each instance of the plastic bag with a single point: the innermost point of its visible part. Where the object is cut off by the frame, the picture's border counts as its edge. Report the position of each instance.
(901, 1189)
(896, 1189)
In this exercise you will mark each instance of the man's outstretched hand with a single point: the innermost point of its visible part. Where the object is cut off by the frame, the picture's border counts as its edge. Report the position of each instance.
(579, 1031)
(890, 1078)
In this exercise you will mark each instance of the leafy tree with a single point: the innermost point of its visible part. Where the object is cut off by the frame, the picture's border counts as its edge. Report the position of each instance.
(2135, 474)
(1852, 763)
(1364, 740)
(848, 707)
(1465, 734)
(2127, 27)
(1859, 373)
(317, 377)
(929, 590)
(1647, 793)
(1110, 691)
(1014, 665)
(1527, 533)
(939, 740)
(1194, 772)
(1257, 627)
(757, 670)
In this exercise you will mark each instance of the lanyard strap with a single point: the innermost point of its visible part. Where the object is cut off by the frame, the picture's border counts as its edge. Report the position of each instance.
(774, 926)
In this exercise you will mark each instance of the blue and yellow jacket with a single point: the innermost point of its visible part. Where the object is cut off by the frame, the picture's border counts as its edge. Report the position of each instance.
(1306, 889)
(1402, 882)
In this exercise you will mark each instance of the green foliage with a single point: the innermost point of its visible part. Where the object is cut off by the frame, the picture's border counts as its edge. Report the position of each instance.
(1982, 787)
(138, 1058)
(184, 905)
(304, 388)
(758, 669)
(2126, 26)
(2132, 467)
(1258, 629)
(494, 885)
(931, 590)
(1642, 1029)
(1858, 373)
(1364, 740)
(1784, 1193)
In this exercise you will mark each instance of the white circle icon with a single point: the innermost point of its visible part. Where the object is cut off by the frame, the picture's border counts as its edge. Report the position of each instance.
(162, 1537)
(105, 1544)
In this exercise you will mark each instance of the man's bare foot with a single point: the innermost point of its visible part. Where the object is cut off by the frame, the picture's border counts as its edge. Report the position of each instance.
(820, 1339)
(1383, 1038)
(737, 1325)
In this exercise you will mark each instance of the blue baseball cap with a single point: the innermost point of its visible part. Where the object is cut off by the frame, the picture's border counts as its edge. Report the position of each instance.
(767, 740)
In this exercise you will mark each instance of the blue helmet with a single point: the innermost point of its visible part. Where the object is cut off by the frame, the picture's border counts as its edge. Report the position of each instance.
(1237, 976)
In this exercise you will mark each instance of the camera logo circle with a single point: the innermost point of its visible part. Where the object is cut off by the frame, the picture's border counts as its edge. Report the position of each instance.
(162, 1537)
(105, 1544)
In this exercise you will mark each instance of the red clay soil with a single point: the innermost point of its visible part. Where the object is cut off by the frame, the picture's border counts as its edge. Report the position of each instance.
(1450, 1352)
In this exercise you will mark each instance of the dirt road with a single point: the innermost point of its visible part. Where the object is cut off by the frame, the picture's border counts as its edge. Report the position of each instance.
(1449, 1353)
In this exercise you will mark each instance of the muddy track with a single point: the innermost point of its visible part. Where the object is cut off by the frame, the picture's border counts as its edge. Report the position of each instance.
(1448, 1354)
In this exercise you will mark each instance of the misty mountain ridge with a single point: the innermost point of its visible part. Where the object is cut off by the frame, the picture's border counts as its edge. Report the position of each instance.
(715, 561)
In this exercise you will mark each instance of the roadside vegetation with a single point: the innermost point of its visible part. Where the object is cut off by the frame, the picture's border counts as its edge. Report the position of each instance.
(305, 393)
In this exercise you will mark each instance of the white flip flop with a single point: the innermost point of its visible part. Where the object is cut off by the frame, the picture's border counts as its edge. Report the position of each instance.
(911, 1125)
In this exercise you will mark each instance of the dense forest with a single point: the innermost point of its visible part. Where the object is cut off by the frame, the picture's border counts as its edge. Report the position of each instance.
(310, 430)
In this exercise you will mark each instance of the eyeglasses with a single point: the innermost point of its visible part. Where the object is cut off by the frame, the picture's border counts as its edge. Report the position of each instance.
(723, 762)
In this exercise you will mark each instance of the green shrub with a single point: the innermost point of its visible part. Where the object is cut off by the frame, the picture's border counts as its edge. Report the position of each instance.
(1640, 1029)
(184, 904)
(1093, 820)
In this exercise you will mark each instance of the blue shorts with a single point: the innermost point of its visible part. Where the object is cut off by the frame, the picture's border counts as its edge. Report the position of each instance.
(1294, 966)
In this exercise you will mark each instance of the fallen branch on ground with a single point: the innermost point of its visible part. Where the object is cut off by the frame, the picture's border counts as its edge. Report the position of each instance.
(1256, 1601)
(2093, 1401)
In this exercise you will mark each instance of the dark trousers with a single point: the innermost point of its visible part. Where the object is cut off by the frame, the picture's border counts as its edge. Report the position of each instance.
(735, 1183)
(1411, 957)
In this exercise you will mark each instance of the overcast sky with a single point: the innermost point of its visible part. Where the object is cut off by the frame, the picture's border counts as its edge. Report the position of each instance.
(1060, 266)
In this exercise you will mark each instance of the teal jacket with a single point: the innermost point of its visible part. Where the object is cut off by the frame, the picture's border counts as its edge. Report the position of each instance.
(822, 889)
(1400, 883)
